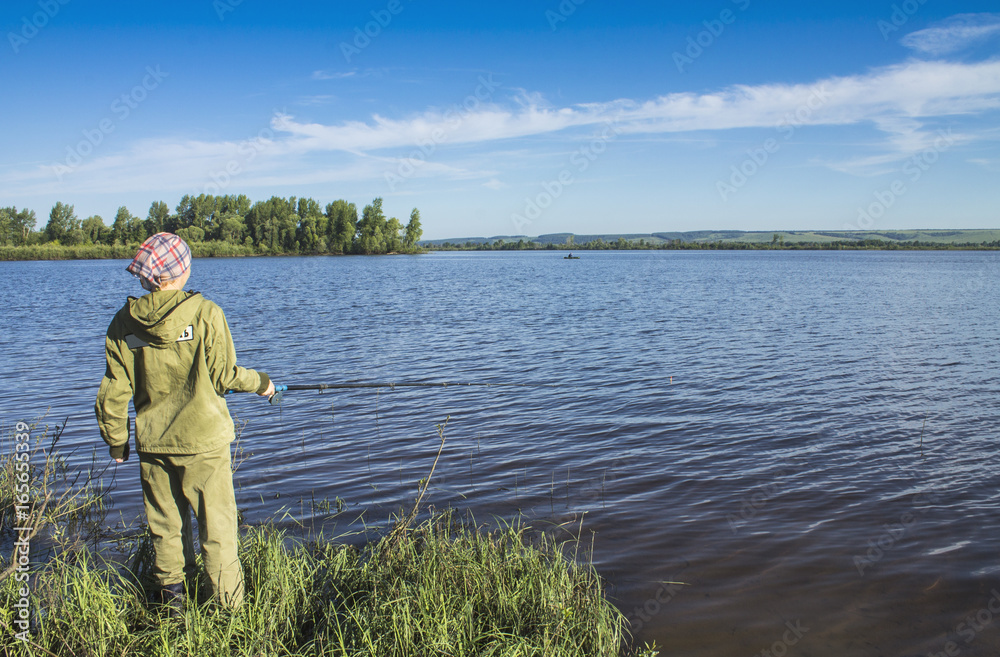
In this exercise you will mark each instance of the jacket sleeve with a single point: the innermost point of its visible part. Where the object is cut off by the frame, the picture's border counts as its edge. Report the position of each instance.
(220, 353)
(117, 388)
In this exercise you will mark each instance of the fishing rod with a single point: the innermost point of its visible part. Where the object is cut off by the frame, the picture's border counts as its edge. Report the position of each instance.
(279, 391)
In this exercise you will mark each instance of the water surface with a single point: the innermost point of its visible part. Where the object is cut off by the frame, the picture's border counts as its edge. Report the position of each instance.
(806, 442)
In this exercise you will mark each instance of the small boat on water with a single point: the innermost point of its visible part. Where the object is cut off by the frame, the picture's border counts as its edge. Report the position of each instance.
(571, 257)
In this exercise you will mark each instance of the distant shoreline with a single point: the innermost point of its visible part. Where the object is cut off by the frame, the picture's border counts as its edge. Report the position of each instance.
(911, 239)
(733, 240)
(867, 245)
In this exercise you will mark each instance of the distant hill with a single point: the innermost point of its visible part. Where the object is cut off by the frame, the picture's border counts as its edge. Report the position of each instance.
(943, 236)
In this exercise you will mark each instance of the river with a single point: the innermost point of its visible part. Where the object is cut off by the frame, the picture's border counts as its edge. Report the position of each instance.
(794, 452)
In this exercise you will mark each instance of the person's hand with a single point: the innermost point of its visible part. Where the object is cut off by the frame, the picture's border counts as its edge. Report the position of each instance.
(119, 460)
(270, 390)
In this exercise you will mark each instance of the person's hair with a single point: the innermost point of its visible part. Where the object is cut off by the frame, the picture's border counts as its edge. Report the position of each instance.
(168, 281)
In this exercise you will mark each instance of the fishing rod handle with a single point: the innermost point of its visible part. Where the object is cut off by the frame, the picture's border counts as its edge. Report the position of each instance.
(279, 392)
(276, 389)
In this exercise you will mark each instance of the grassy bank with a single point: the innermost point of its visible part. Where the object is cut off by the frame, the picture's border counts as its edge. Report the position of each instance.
(444, 587)
(118, 251)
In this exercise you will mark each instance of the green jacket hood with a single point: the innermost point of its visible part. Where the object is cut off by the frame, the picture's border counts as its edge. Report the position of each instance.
(162, 317)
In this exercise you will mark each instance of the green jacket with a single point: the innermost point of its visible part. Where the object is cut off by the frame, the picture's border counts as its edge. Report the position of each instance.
(173, 353)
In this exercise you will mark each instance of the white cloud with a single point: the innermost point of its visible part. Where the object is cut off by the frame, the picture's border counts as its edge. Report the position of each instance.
(953, 34)
(494, 184)
(318, 99)
(898, 100)
(986, 163)
(332, 75)
(902, 93)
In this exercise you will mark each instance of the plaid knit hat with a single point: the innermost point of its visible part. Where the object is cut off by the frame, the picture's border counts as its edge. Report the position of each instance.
(162, 257)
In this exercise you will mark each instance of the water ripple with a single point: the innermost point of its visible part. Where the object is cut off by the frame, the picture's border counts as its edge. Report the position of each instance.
(795, 436)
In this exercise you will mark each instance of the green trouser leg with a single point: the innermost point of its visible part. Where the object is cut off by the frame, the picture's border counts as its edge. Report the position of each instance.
(172, 486)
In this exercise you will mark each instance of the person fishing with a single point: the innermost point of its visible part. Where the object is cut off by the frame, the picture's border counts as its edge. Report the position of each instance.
(172, 353)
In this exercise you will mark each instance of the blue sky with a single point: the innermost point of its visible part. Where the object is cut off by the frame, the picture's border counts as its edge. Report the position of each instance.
(514, 118)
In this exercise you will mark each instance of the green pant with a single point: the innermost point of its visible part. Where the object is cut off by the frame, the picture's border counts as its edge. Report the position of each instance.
(172, 486)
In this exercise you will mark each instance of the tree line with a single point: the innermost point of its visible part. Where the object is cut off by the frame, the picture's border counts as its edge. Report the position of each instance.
(275, 226)
(622, 244)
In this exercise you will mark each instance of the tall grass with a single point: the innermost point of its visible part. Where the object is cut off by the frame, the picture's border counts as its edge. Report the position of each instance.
(41, 493)
(54, 251)
(447, 586)
(60, 252)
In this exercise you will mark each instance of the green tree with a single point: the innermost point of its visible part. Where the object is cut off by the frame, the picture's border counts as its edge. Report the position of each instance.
(231, 228)
(7, 225)
(74, 237)
(235, 204)
(311, 234)
(158, 218)
(23, 225)
(191, 234)
(93, 228)
(371, 229)
(16, 227)
(61, 221)
(413, 230)
(196, 211)
(225, 210)
(258, 224)
(272, 224)
(393, 240)
(342, 226)
(288, 227)
(127, 228)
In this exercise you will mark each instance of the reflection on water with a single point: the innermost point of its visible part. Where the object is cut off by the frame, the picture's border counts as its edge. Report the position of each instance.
(785, 452)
